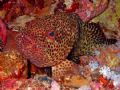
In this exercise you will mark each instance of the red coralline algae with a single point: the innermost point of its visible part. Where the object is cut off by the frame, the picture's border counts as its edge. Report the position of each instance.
(12, 65)
(22, 84)
(73, 7)
(38, 3)
(86, 9)
(103, 80)
(60, 6)
(89, 10)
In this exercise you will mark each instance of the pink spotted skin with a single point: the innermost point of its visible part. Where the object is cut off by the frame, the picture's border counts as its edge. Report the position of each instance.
(3, 31)
(89, 10)
(47, 41)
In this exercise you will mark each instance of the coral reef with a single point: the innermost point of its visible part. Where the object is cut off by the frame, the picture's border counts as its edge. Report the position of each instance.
(110, 19)
(89, 9)
(51, 45)
(12, 65)
(22, 84)
(86, 9)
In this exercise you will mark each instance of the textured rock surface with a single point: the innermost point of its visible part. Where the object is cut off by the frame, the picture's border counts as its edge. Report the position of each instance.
(90, 9)
(12, 65)
(110, 19)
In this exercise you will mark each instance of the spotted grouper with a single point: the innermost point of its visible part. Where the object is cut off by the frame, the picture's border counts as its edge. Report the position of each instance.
(58, 41)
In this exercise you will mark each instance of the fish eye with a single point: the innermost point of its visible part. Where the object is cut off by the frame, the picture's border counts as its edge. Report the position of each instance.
(52, 33)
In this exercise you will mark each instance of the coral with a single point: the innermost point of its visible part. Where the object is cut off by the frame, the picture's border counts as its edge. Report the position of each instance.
(60, 6)
(10, 45)
(22, 84)
(15, 8)
(86, 9)
(110, 55)
(2, 14)
(103, 67)
(94, 65)
(55, 86)
(96, 86)
(68, 3)
(2, 2)
(110, 75)
(75, 81)
(20, 22)
(106, 72)
(84, 88)
(89, 10)
(116, 80)
(110, 19)
(44, 78)
(12, 65)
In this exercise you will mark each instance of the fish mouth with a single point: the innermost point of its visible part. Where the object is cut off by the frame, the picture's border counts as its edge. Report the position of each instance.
(27, 46)
(23, 41)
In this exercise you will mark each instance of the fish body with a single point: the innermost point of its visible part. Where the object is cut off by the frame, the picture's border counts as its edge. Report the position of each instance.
(46, 41)
(59, 40)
